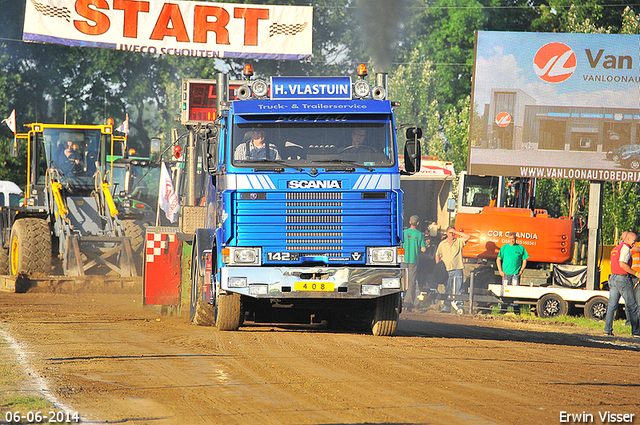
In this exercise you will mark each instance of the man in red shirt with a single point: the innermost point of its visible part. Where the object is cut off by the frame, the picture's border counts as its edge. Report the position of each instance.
(620, 285)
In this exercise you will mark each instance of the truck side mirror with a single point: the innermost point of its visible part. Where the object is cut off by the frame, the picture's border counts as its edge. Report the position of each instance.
(412, 150)
(414, 133)
(210, 150)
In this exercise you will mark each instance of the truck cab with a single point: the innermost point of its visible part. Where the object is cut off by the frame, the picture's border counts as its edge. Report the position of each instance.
(304, 206)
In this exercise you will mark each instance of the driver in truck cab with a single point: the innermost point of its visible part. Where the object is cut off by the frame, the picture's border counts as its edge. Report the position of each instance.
(68, 157)
(255, 147)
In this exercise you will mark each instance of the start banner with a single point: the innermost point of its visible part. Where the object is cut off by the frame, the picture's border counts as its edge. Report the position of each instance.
(185, 28)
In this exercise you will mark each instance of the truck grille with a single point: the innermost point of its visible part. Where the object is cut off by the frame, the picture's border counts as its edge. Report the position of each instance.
(333, 224)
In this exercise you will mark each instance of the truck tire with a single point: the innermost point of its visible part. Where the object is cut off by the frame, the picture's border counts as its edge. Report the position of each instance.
(135, 231)
(4, 261)
(385, 315)
(551, 305)
(201, 313)
(30, 247)
(228, 311)
(596, 308)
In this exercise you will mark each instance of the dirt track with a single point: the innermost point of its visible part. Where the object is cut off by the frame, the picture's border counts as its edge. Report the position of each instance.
(114, 361)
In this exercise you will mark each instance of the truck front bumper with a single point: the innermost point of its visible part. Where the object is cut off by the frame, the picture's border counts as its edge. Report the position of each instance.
(312, 282)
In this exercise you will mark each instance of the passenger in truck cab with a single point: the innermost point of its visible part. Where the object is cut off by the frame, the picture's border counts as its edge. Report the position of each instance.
(255, 147)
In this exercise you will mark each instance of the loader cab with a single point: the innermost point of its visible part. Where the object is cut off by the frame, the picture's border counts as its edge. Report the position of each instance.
(135, 185)
(476, 192)
(74, 153)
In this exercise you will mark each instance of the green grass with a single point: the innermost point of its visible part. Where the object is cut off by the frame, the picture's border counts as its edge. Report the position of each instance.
(12, 388)
(24, 403)
(619, 327)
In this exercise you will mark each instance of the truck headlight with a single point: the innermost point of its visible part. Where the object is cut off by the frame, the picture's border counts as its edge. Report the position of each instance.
(258, 289)
(391, 282)
(260, 88)
(370, 289)
(242, 256)
(382, 256)
(237, 282)
(361, 89)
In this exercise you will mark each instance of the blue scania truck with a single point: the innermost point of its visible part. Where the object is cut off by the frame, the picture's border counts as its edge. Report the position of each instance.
(304, 212)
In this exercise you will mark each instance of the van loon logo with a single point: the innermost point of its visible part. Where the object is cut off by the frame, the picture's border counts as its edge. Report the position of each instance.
(503, 119)
(554, 62)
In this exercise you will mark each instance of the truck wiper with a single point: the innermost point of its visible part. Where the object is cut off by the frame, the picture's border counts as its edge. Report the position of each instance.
(346, 161)
(270, 161)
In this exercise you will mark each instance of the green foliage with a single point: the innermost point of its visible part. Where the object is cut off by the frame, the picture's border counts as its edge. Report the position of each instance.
(410, 85)
(451, 141)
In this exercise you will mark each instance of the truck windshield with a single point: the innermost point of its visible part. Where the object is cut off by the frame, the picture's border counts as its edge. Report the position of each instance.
(310, 142)
(74, 152)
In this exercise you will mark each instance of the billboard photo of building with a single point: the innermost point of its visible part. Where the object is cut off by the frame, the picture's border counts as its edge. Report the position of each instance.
(551, 105)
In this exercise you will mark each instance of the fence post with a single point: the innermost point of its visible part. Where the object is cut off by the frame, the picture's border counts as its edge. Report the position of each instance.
(471, 279)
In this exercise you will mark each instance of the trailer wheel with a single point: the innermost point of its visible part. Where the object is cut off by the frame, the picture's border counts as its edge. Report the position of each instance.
(4, 261)
(551, 305)
(385, 315)
(30, 249)
(634, 164)
(201, 313)
(228, 311)
(596, 308)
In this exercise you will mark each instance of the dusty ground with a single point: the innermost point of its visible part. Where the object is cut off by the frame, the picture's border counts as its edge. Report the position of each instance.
(114, 361)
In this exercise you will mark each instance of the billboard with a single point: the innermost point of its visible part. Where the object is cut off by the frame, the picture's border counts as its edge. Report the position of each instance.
(181, 28)
(550, 105)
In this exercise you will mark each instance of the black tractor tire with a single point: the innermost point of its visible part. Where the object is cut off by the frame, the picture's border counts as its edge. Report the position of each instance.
(596, 308)
(135, 231)
(229, 312)
(201, 313)
(4, 261)
(30, 247)
(385, 315)
(551, 305)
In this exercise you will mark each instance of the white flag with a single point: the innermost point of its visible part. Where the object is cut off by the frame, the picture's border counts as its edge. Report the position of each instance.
(167, 197)
(11, 121)
(124, 127)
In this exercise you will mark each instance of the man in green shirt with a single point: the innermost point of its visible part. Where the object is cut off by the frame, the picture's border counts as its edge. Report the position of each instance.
(413, 243)
(511, 261)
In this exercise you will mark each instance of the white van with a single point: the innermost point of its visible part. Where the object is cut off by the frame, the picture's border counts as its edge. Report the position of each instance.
(10, 194)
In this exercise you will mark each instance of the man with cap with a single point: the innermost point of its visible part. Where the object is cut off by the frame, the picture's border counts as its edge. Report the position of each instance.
(413, 242)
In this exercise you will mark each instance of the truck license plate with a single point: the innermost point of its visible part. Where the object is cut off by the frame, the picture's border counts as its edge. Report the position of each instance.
(314, 286)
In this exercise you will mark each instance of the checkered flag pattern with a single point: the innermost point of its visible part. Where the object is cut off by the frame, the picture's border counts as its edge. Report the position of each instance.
(56, 12)
(156, 244)
(286, 29)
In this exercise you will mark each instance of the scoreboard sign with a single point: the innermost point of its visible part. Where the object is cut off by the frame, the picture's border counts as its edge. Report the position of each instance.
(199, 100)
